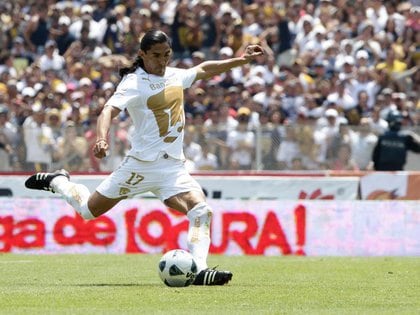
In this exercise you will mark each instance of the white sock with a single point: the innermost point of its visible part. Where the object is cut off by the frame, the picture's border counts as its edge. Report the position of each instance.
(199, 233)
(76, 195)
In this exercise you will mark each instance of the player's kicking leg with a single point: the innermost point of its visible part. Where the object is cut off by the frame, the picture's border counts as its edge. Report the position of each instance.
(77, 195)
(42, 181)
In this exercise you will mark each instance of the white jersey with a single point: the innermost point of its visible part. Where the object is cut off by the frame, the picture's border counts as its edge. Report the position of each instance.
(156, 107)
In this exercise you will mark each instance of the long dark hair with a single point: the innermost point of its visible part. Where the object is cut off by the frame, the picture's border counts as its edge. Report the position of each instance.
(150, 38)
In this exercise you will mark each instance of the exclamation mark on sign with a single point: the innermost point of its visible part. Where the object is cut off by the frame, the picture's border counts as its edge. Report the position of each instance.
(300, 221)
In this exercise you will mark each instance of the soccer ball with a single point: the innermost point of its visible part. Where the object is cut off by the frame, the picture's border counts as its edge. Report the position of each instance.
(177, 268)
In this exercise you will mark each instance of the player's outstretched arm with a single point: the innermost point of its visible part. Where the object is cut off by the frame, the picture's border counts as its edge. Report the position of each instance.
(102, 128)
(209, 69)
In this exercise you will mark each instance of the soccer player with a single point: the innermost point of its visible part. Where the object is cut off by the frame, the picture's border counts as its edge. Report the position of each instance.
(152, 93)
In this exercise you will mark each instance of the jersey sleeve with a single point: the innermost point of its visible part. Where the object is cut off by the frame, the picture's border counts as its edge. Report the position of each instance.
(188, 77)
(125, 93)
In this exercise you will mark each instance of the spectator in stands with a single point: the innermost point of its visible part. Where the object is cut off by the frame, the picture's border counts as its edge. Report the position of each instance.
(206, 161)
(226, 17)
(36, 32)
(288, 148)
(194, 36)
(6, 152)
(197, 57)
(362, 59)
(90, 135)
(7, 66)
(9, 140)
(346, 68)
(237, 38)
(277, 119)
(64, 37)
(361, 109)
(329, 125)
(284, 53)
(71, 149)
(342, 96)
(378, 15)
(87, 87)
(114, 31)
(344, 136)
(130, 37)
(363, 141)
(297, 164)
(178, 28)
(307, 146)
(291, 100)
(364, 81)
(22, 58)
(366, 39)
(51, 60)
(191, 148)
(39, 140)
(392, 64)
(84, 21)
(241, 142)
(11, 27)
(223, 123)
(378, 125)
(101, 10)
(88, 43)
(53, 120)
(344, 161)
(304, 33)
(399, 100)
(7, 128)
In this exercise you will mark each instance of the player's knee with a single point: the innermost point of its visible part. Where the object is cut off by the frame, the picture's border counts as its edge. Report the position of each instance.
(209, 210)
(201, 209)
(98, 204)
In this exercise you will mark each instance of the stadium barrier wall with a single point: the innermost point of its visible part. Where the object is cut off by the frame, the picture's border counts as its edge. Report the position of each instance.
(239, 227)
(270, 185)
(226, 187)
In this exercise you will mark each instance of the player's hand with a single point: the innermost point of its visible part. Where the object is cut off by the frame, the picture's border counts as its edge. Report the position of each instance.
(100, 148)
(253, 51)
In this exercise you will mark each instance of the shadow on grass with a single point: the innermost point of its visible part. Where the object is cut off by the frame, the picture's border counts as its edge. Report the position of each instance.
(86, 285)
(111, 285)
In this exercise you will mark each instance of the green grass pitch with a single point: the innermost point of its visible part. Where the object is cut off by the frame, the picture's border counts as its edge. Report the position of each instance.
(129, 284)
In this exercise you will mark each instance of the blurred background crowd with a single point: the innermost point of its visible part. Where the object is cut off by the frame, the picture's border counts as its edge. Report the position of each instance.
(317, 100)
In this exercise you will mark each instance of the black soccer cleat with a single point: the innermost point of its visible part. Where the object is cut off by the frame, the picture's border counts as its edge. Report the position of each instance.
(212, 277)
(42, 181)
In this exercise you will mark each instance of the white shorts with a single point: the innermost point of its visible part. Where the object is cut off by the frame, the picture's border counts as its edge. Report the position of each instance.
(165, 177)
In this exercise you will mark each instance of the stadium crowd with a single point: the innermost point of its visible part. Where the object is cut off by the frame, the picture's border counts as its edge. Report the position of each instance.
(318, 98)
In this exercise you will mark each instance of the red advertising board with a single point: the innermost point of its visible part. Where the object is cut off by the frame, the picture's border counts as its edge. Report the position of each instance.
(338, 228)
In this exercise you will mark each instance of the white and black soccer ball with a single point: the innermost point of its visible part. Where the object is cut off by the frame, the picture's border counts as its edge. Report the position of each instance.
(177, 268)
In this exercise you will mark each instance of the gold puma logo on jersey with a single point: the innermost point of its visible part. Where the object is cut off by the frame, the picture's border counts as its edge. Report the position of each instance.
(167, 107)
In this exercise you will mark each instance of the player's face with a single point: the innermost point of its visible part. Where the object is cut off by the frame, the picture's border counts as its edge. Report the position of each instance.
(156, 58)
